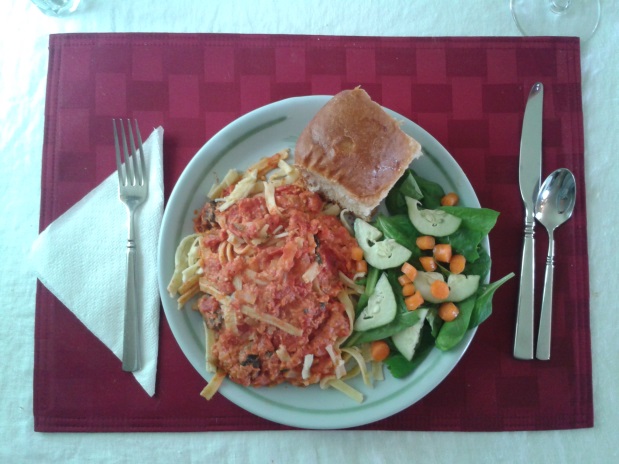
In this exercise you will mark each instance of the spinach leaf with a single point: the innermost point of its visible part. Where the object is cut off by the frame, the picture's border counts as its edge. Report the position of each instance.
(400, 229)
(483, 304)
(401, 322)
(434, 321)
(476, 224)
(481, 266)
(403, 319)
(400, 367)
(432, 192)
(478, 219)
(464, 241)
(405, 186)
(413, 186)
(370, 284)
(392, 277)
(452, 332)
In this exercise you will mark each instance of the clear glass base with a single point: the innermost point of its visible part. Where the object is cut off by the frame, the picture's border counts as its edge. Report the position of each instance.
(57, 7)
(568, 18)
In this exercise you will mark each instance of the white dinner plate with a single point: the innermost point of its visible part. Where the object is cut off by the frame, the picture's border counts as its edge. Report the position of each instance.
(261, 133)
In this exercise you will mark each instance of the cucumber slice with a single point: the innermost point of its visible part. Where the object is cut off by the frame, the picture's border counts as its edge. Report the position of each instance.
(433, 222)
(407, 340)
(460, 286)
(382, 254)
(381, 308)
(423, 281)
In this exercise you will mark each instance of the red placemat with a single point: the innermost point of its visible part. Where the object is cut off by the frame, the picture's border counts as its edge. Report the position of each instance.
(468, 92)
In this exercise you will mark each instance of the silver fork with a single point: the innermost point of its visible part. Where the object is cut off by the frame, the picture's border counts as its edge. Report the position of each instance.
(132, 190)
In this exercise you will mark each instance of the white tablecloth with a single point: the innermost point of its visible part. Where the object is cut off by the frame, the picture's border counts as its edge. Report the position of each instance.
(24, 35)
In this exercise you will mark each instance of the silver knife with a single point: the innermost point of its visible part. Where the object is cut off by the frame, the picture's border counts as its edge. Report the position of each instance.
(530, 172)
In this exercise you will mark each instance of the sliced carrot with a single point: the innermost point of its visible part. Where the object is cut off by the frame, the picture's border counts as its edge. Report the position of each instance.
(457, 263)
(409, 270)
(451, 199)
(442, 252)
(414, 301)
(356, 253)
(428, 263)
(403, 279)
(408, 289)
(448, 311)
(379, 350)
(361, 266)
(439, 289)
(425, 242)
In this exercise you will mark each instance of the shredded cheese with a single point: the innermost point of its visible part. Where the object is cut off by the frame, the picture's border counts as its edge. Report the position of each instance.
(338, 362)
(282, 353)
(272, 320)
(308, 360)
(285, 167)
(253, 275)
(351, 284)
(267, 164)
(207, 287)
(229, 316)
(237, 282)
(244, 295)
(217, 189)
(241, 190)
(311, 273)
(269, 197)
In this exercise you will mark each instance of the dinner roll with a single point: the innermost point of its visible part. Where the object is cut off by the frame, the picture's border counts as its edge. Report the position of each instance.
(353, 152)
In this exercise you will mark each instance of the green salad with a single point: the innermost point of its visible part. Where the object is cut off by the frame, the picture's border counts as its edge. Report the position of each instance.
(425, 286)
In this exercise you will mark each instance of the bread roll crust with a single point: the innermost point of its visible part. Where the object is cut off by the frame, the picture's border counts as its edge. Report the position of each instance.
(353, 152)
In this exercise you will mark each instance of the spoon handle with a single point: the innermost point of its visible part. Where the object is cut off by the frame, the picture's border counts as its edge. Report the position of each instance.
(545, 323)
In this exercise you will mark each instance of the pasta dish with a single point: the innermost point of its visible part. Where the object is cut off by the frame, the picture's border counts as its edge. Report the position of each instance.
(273, 268)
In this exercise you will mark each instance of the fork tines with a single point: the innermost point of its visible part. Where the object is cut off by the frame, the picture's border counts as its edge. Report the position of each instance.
(132, 172)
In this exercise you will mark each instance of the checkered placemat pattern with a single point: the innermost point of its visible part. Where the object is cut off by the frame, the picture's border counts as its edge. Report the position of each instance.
(469, 93)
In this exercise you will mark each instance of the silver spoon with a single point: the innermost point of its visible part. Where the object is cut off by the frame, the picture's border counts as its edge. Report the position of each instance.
(553, 207)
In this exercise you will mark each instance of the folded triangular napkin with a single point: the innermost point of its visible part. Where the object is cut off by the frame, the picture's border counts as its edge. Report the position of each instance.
(90, 280)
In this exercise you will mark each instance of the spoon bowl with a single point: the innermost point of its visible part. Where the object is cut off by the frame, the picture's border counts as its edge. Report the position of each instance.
(554, 205)
(556, 199)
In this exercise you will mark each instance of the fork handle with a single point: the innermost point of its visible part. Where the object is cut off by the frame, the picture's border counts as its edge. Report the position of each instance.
(545, 321)
(131, 337)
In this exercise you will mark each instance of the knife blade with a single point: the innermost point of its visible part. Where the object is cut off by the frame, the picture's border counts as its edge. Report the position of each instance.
(530, 173)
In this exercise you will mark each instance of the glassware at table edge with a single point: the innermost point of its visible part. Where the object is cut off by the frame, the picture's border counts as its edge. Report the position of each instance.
(565, 18)
(57, 7)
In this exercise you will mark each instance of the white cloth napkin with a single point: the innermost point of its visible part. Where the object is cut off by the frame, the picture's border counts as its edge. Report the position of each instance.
(81, 259)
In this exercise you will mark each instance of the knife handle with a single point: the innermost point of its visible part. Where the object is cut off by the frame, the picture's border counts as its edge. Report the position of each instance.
(523, 340)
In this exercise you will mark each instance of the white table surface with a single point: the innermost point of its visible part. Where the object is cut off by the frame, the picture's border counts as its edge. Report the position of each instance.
(24, 35)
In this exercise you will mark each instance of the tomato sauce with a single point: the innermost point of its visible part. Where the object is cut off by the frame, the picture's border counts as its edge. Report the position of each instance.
(284, 264)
